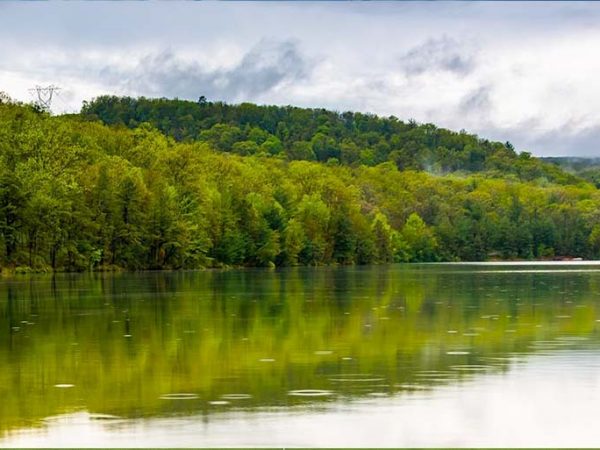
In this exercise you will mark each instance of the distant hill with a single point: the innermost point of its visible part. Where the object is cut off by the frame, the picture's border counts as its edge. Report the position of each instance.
(582, 167)
(349, 138)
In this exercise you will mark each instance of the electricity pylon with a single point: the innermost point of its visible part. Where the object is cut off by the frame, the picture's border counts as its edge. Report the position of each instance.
(44, 95)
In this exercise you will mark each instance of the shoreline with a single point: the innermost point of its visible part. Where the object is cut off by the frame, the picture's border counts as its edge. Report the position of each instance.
(20, 271)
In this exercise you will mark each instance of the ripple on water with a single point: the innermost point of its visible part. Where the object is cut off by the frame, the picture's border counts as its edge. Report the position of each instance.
(235, 396)
(219, 403)
(440, 378)
(458, 352)
(179, 396)
(548, 345)
(266, 360)
(310, 393)
(495, 358)
(356, 378)
(433, 373)
(377, 394)
(64, 385)
(413, 387)
(471, 368)
(99, 416)
(572, 338)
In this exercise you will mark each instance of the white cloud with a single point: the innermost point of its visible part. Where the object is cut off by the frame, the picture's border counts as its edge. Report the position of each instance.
(522, 72)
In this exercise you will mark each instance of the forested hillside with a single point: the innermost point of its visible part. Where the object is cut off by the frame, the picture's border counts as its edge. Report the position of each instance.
(320, 135)
(76, 194)
(585, 168)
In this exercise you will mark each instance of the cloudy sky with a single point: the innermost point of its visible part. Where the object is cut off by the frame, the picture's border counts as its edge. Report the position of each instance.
(521, 71)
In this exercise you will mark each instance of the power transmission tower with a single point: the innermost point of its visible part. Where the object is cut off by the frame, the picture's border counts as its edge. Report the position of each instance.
(44, 95)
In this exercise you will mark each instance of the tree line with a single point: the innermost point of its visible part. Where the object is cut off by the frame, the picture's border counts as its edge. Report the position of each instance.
(77, 194)
(348, 138)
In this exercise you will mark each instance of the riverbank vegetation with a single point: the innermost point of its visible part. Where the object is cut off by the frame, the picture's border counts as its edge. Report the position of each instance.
(178, 184)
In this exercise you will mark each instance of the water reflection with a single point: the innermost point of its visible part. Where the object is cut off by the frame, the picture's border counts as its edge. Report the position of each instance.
(120, 350)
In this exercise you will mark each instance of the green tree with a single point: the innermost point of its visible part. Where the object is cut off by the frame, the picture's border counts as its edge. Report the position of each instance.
(420, 239)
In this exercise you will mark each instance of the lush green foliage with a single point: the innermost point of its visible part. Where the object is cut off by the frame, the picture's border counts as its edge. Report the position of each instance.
(320, 135)
(76, 195)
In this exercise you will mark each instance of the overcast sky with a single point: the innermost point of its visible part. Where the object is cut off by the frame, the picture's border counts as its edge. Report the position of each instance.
(518, 71)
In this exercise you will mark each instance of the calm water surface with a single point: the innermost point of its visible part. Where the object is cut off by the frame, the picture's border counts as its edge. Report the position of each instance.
(403, 355)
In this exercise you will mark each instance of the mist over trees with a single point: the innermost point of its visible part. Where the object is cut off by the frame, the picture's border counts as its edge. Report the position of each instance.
(169, 184)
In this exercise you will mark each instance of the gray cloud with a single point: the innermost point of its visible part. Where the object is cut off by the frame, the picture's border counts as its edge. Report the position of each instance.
(440, 54)
(564, 140)
(477, 101)
(263, 68)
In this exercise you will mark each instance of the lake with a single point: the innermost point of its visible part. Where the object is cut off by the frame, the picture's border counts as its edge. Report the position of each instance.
(388, 356)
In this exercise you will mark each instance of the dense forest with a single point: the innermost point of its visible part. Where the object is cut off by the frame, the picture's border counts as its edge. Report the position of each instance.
(158, 184)
(320, 135)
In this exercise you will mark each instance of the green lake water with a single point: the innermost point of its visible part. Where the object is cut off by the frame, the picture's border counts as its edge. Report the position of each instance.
(401, 355)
